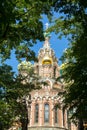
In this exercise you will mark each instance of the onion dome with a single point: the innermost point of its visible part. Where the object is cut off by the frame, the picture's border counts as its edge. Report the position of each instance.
(25, 65)
(47, 60)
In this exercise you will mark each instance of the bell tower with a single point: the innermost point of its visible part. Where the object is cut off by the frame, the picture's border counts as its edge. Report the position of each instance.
(43, 113)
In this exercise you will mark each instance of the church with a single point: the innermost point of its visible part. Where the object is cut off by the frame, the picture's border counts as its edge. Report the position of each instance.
(42, 111)
(44, 114)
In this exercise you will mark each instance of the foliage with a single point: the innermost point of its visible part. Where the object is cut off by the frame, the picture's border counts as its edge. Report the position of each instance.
(20, 28)
(12, 91)
(73, 23)
(21, 25)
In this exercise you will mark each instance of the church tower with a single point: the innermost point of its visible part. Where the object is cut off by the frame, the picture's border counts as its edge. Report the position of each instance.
(43, 114)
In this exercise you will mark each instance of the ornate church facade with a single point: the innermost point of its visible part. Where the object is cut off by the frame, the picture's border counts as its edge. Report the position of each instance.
(42, 111)
(43, 114)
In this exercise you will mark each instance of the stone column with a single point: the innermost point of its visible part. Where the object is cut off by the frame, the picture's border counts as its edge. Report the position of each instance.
(60, 118)
(65, 118)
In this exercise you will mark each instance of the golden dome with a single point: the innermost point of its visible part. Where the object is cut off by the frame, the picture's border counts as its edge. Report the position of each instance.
(47, 60)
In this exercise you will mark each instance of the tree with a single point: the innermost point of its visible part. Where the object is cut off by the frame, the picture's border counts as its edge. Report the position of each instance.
(14, 91)
(21, 25)
(74, 70)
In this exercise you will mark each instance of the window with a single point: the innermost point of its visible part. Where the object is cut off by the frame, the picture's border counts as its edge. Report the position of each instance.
(54, 71)
(36, 113)
(46, 113)
(56, 115)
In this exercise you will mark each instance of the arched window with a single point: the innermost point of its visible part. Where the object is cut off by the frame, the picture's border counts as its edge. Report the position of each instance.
(46, 113)
(36, 113)
(56, 115)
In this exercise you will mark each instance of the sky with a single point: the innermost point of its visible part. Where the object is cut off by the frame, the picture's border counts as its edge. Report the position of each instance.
(58, 45)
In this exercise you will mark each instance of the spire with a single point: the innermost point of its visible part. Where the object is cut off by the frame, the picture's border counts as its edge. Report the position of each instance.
(47, 37)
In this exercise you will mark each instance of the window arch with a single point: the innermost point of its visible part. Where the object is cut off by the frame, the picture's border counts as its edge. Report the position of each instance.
(36, 113)
(46, 113)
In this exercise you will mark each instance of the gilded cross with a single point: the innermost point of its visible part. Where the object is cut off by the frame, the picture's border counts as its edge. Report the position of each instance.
(46, 25)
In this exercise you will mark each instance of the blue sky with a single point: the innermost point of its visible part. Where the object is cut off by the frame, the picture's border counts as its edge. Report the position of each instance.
(58, 45)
